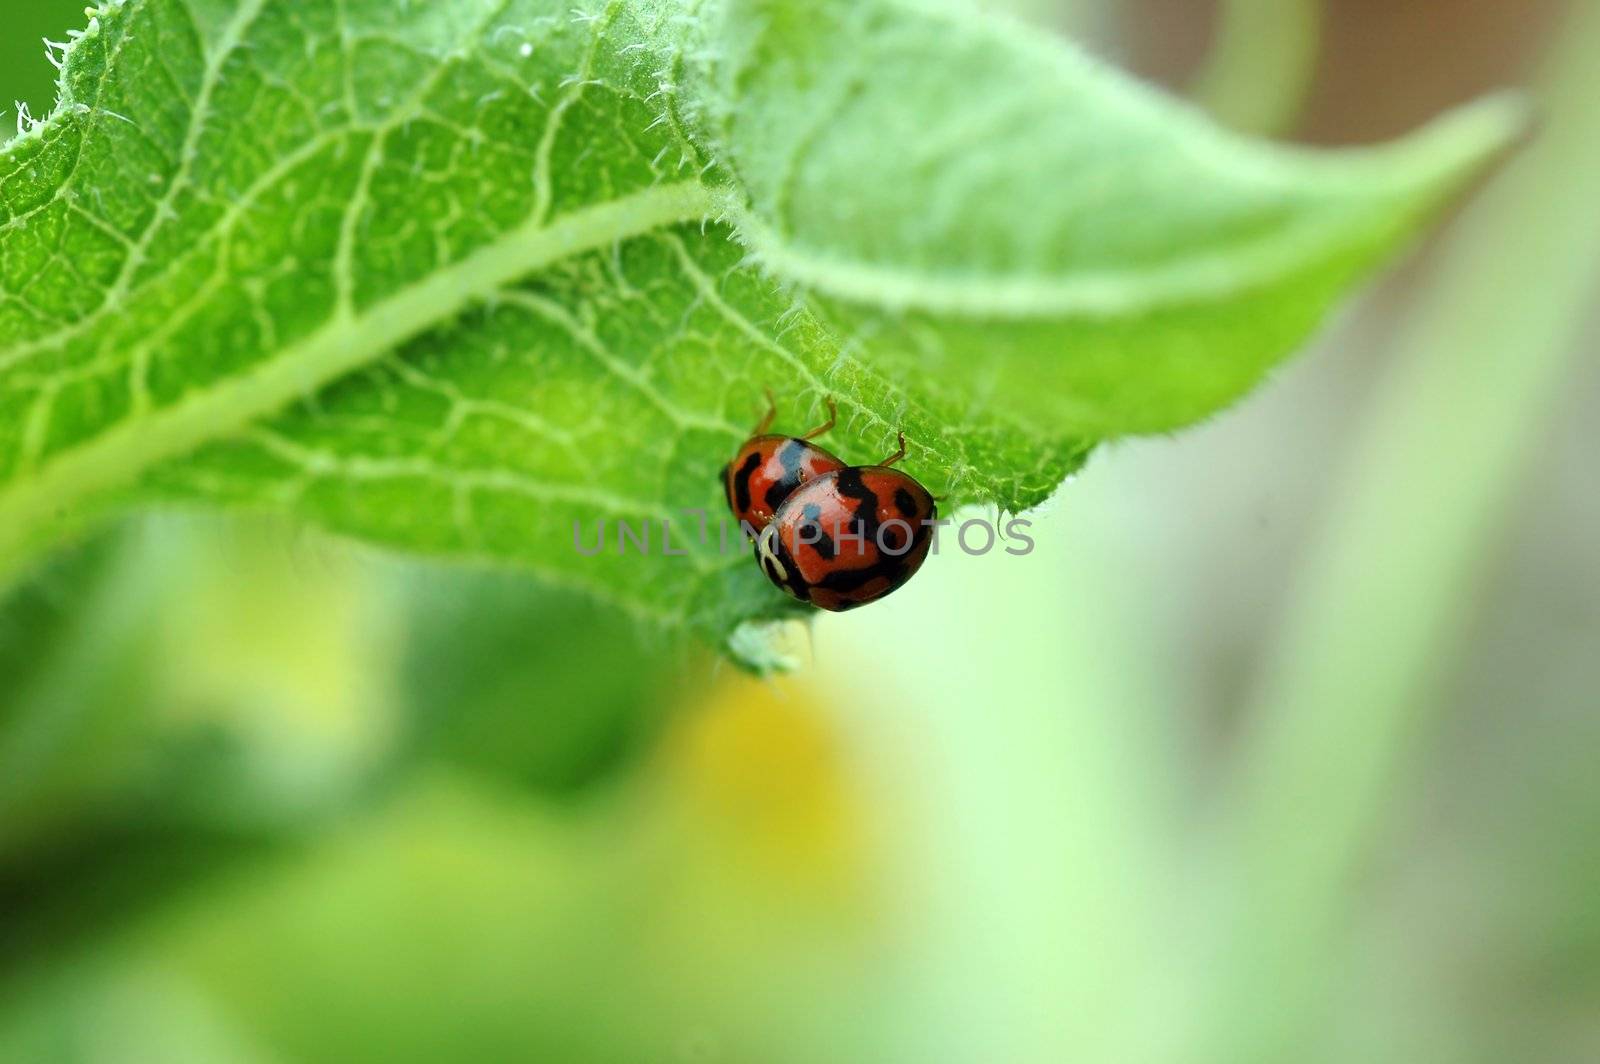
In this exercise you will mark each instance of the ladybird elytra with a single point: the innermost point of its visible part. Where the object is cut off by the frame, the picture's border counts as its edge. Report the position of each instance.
(850, 536)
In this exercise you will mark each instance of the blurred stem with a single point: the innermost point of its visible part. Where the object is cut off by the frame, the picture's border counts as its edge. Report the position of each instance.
(1476, 371)
(1261, 65)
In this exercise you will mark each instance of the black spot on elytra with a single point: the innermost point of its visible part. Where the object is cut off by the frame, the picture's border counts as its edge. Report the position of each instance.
(741, 483)
(894, 538)
(896, 569)
(905, 503)
(852, 487)
(812, 532)
(866, 522)
(790, 454)
(847, 580)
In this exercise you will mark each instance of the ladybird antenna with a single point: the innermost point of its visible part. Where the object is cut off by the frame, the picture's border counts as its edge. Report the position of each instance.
(767, 419)
(901, 453)
(833, 419)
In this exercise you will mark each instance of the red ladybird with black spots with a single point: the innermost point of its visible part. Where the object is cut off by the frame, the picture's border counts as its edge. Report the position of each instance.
(850, 536)
(768, 468)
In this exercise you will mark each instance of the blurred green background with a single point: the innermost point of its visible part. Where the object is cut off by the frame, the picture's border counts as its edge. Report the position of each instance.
(1280, 747)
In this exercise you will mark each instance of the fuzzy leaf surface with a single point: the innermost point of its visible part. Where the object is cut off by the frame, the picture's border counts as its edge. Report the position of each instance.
(454, 277)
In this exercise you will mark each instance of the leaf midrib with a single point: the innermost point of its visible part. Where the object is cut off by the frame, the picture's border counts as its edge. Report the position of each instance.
(1445, 146)
(351, 340)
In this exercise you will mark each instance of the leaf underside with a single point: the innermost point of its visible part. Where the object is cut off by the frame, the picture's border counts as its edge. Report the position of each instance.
(451, 278)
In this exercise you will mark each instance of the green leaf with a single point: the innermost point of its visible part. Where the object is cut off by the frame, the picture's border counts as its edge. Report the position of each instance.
(975, 203)
(454, 277)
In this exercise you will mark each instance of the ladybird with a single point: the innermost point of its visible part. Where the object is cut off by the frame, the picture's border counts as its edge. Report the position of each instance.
(768, 468)
(850, 536)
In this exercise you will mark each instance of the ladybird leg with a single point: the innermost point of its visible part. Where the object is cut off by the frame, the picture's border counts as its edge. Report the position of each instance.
(767, 418)
(833, 418)
(901, 453)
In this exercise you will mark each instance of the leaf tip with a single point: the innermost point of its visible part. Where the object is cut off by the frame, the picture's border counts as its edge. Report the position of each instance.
(1478, 133)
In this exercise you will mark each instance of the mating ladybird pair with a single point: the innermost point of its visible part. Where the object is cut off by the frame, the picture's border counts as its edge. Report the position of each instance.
(834, 535)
